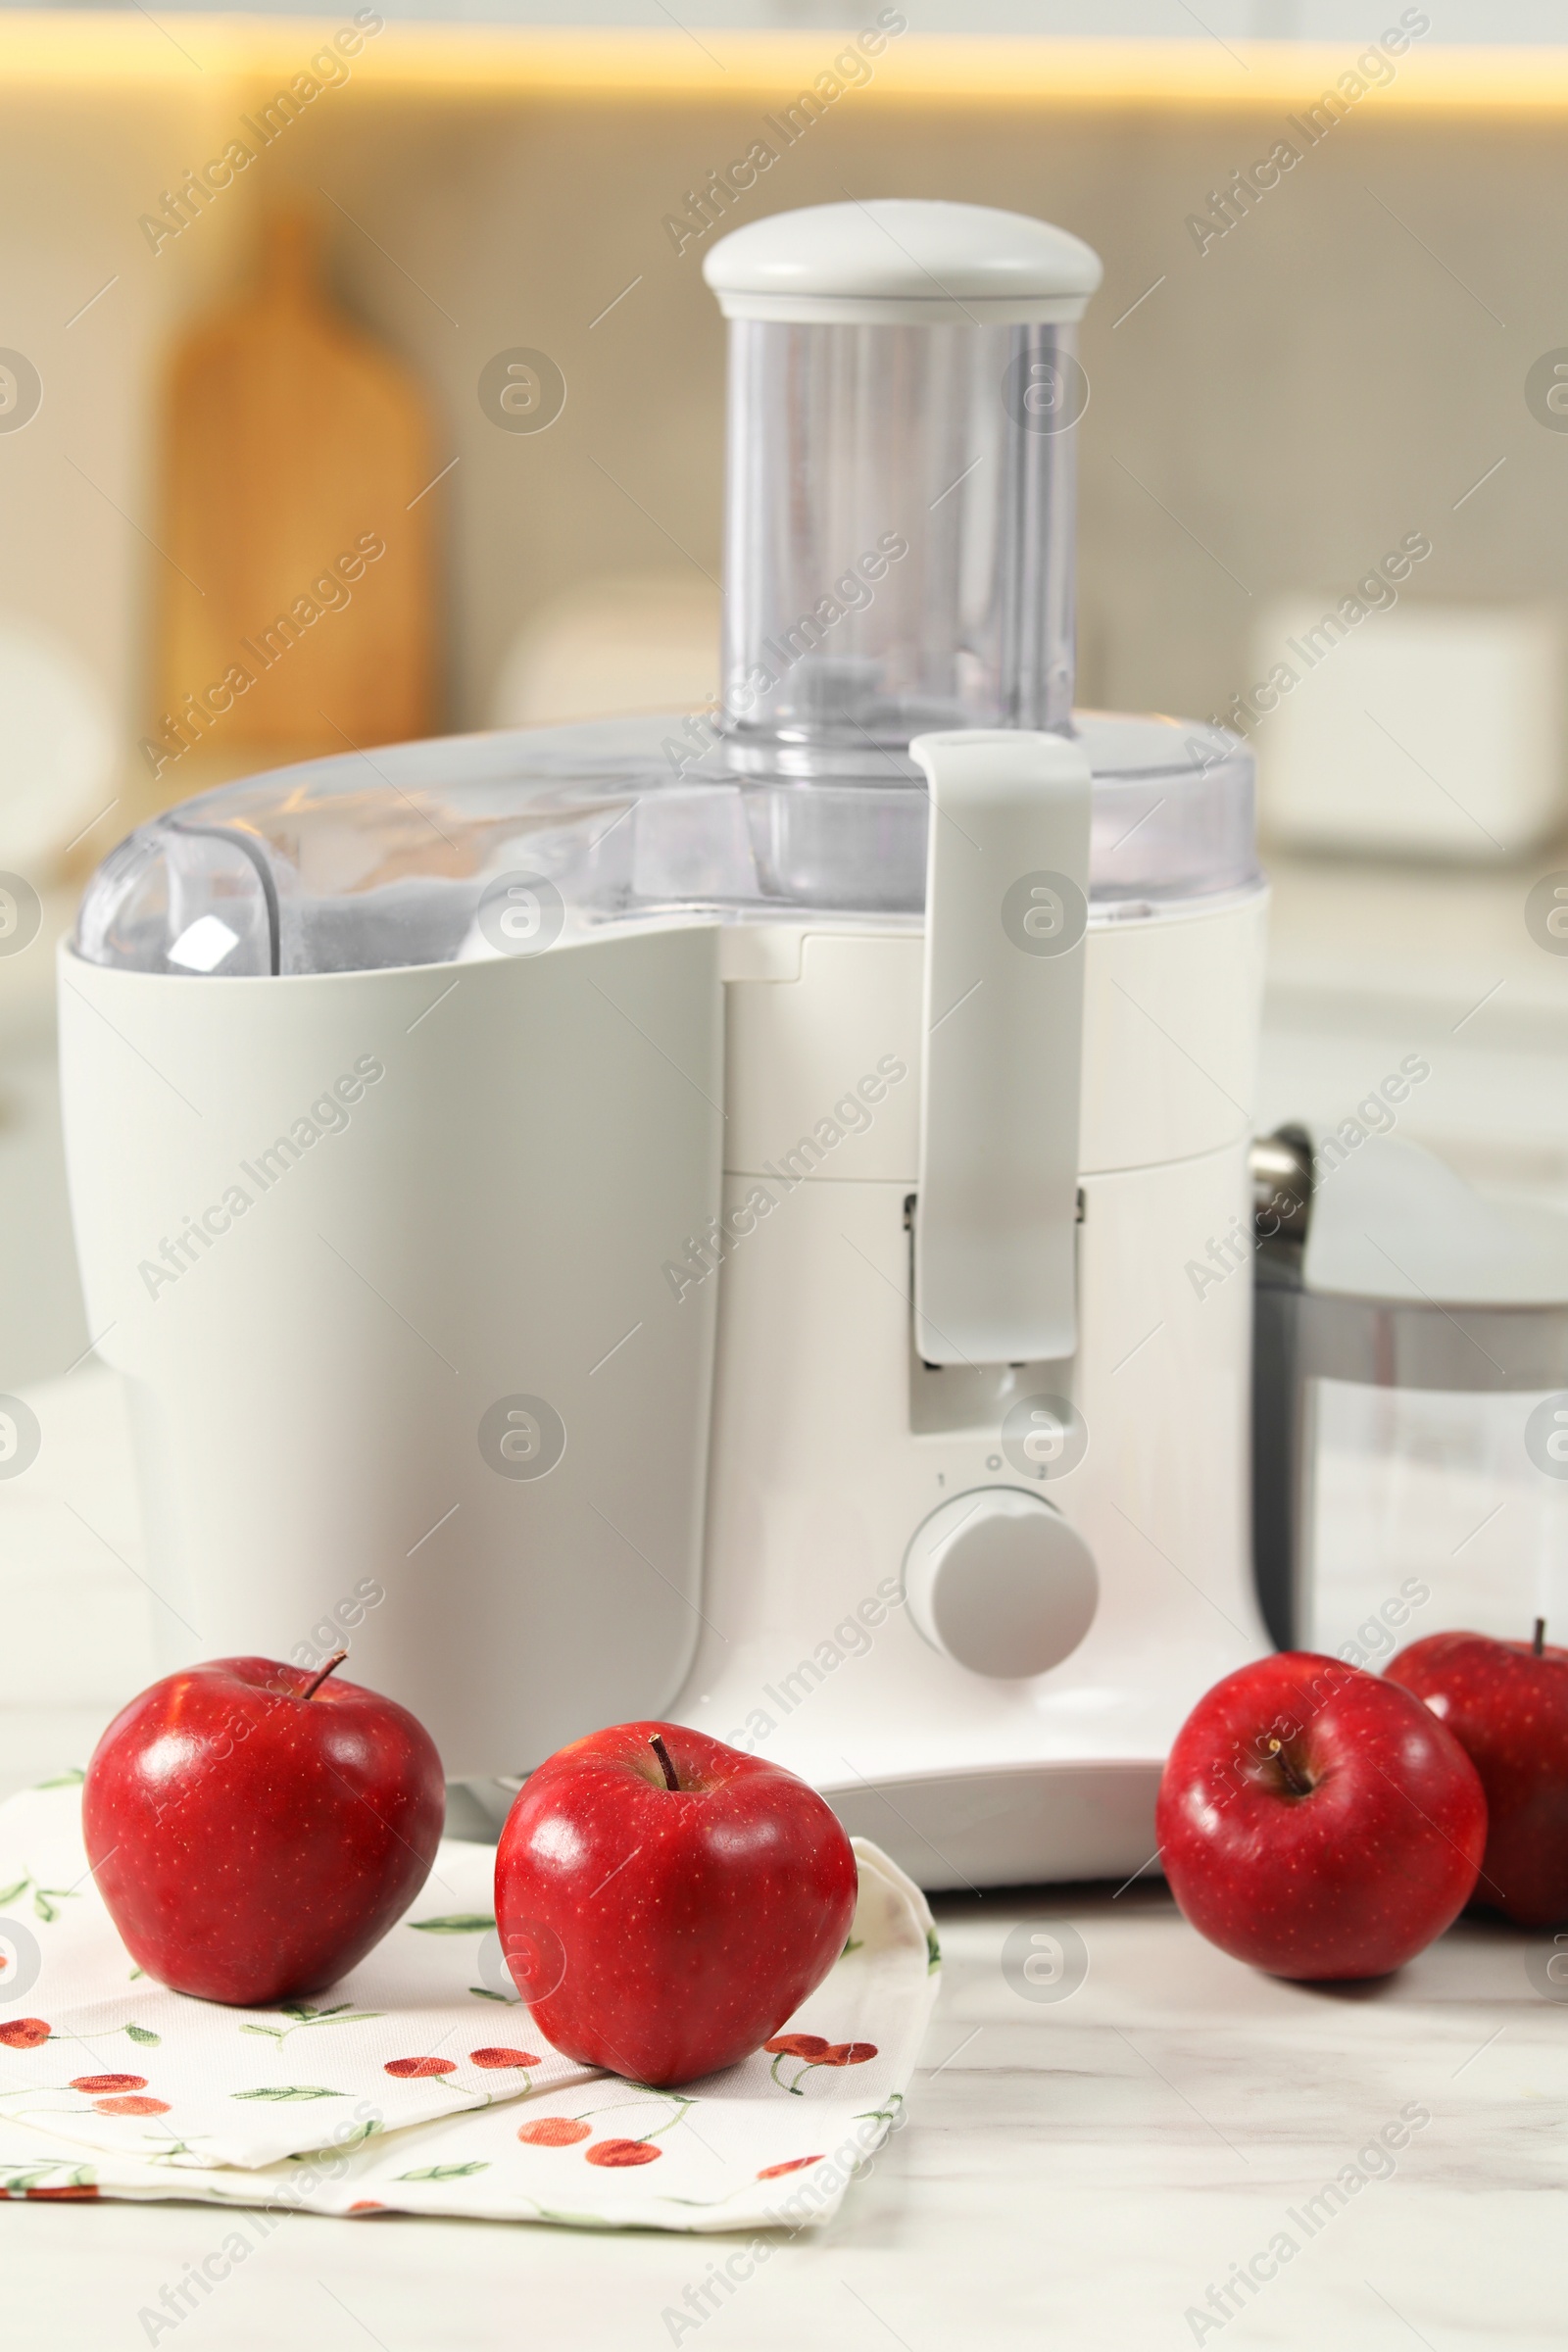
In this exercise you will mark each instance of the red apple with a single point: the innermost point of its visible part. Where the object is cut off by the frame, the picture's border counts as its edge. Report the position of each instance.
(1507, 1703)
(254, 1829)
(1318, 1822)
(665, 1902)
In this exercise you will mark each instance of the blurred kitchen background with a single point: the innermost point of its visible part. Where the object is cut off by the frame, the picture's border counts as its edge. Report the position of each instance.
(1299, 382)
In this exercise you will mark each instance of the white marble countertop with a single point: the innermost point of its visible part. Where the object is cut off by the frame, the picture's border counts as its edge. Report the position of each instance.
(1080, 2171)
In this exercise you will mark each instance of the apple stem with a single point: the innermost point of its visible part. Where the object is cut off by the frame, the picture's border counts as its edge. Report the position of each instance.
(331, 1667)
(1289, 1774)
(664, 1765)
(1540, 1642)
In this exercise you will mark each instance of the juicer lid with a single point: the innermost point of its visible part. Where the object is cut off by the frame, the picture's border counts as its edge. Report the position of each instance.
(408, 855)
(903, 261)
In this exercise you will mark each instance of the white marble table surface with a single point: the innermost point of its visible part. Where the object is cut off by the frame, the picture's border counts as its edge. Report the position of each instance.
(1078, 2172)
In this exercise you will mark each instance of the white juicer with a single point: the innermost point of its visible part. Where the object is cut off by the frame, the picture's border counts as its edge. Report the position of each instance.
(693, 1218)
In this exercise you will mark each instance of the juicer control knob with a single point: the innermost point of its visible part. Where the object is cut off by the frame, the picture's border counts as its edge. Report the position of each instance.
(1000, 1582)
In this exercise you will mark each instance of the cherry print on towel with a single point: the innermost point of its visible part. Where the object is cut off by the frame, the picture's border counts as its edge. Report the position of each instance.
(616, 2153)
(813, 2051)
(554, 2131)
(411, 2070)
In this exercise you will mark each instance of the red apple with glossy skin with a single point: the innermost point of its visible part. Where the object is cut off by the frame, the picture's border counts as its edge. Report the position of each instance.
(255, 1828)
(1507, 1703)
(664, 1902)
(1318, 1822)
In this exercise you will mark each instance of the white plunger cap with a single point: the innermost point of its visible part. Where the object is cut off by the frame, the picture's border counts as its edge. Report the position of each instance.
(903, 261)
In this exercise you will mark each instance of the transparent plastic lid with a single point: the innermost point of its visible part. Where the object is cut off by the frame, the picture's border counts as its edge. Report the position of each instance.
(484, 845)
(899, 561)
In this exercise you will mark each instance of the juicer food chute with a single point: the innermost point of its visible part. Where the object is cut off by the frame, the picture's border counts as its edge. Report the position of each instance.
(785, 1130)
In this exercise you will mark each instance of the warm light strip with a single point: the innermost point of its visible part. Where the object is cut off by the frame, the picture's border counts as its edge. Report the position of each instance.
(82, 51)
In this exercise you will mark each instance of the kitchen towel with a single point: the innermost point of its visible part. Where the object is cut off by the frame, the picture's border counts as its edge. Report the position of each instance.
(420, 2083)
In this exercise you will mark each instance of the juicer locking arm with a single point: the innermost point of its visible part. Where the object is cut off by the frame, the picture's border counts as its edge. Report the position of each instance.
(1007, 911)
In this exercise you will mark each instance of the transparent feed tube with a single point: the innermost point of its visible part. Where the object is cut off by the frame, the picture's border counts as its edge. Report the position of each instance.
(899, 539)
